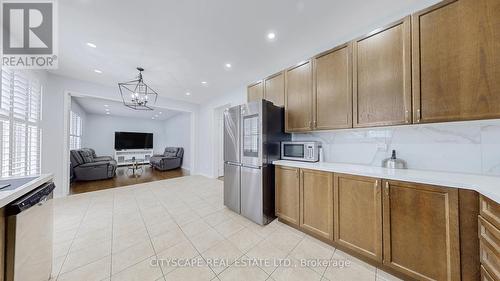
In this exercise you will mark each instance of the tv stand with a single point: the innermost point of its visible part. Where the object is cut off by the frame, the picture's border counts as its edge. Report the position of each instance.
(125, 156)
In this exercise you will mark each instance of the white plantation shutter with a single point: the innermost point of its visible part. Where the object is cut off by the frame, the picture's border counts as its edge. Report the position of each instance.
(75, 131)
(20, 106)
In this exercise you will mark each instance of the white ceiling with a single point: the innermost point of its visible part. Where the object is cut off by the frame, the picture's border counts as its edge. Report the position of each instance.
(181, 43)
(99, 106)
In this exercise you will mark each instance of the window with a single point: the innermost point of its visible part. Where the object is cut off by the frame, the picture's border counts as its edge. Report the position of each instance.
(75, 131)
(20, 133)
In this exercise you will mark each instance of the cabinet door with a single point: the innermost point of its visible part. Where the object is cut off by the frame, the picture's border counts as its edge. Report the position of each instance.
(382, 77)
(333, 89)
(316, 203)
(489, 252)
(358, 214)
(298, 98)
(274, 89)
(421, 231)
(490, 210)
(456, 61)
(255, 92)
(287, 194)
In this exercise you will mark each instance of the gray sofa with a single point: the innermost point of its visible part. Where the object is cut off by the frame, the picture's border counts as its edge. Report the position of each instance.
(87, 166)
(170, 159)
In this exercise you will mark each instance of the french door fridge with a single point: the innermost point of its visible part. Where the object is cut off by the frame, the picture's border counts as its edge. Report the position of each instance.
(261, 129)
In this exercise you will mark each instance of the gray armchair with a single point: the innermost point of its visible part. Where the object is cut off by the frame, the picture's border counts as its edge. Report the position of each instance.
(85, 167)
(98, 158)
(170, 159)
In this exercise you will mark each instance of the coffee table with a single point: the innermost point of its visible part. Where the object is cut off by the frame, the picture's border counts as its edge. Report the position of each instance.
(136, 167)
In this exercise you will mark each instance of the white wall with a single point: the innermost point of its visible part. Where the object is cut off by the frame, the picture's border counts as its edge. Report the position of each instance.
(101, 132)
(53, 135)
(177, 132)
(205, 164)
(75, 107)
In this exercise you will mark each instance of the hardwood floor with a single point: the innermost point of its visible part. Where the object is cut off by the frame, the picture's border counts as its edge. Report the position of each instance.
(123, 178)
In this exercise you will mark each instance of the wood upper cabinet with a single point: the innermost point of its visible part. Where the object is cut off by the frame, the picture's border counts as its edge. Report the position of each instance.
(382, 77)
(358, 214)
(456, 61)
(298, 98)
(333, 89)
(421, 230)
(255, 92)
(287, 194)
(316, 202)
(274, 89)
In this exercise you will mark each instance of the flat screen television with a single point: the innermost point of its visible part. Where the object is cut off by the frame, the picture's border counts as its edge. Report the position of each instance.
(130, 140)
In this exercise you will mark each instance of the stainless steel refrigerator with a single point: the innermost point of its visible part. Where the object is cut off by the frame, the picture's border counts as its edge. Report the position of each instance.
(252, 136)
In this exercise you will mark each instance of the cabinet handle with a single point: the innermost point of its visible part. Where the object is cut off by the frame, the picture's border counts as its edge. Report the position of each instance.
(387, 188)
(407, 116)
(418, 116)
(315, 123)
(376, 183)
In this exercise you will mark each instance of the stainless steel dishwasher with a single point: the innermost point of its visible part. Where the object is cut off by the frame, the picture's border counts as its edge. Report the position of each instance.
(29, 236)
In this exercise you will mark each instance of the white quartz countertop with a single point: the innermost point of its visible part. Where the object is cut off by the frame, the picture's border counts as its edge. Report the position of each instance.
(8, 196)
(488, 186)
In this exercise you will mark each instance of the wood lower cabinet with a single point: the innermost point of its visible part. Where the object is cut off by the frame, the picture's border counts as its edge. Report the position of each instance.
(274, 89)
(421, 230)
(287, 194)
(255, 92)
(456, 63)
(298, 98)
(489, 237)
(489, 256)
(490, 211)
(333, 89)
(358, 214)
(485, 275)
(382, 77)
(316, 202)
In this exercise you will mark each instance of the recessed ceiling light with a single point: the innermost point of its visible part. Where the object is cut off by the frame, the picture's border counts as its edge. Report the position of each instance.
(188, 94)
(228, 65)
(204, 82)
(97, 71)
(91, 45)
(107, 113)
(271, 36)
(153, 118)
(106, 105)
(160, 112)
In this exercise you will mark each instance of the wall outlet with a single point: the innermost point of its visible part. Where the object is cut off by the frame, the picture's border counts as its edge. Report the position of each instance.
(382, 147)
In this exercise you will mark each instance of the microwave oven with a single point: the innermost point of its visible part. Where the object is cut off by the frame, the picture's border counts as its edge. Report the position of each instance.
(307, 151)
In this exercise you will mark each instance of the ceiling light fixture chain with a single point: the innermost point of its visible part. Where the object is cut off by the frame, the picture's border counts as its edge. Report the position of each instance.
(136, 94)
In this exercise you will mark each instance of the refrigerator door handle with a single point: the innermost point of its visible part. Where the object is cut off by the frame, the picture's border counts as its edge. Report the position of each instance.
(251, 166)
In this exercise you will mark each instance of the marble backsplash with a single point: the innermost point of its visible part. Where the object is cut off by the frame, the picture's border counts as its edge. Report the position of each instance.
(467, 147)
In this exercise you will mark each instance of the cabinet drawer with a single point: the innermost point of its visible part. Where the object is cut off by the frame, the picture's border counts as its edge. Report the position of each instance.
(489, 237)
(485, 275)
(490, 211)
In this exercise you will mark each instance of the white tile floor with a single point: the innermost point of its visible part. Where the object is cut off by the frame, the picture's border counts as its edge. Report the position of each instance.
(117, 234)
